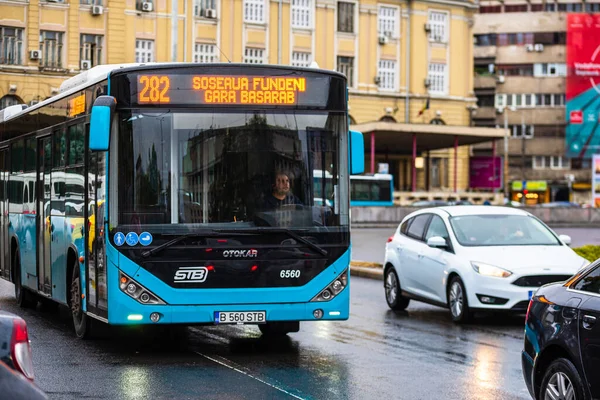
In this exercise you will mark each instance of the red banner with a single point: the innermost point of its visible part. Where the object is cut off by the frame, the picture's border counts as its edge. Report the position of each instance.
(583, 53)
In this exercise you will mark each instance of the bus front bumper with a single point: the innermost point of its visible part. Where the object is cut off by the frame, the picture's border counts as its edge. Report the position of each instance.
(130, 312)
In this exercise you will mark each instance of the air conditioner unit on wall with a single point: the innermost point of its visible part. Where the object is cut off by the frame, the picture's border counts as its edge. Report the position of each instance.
(427, 28)
(97, 10)
(427, 82)
(210, 13)
(35, 54)
(529, 47)
(539, 47)
(85, 64)
(147, 6)
(383, 39)
(500, 78)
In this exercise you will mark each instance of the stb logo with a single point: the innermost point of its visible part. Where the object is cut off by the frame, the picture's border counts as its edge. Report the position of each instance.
(240, 253)
(191, 275)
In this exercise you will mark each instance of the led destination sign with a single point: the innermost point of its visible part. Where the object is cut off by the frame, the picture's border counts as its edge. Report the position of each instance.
(167, 89)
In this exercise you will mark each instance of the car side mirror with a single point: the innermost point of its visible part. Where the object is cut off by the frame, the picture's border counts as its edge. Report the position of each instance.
(437, 241)
(566, 239)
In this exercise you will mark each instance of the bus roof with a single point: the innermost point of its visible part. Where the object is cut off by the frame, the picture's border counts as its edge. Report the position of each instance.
(101, 72)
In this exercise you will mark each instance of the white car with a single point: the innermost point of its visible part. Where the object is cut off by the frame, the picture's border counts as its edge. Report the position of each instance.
(469, 258)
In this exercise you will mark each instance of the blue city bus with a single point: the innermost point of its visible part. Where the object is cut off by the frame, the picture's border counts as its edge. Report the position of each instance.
(365, 190)
(151, 194)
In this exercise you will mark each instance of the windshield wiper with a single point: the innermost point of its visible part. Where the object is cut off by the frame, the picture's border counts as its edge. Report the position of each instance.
(289, 232)
(178, 239)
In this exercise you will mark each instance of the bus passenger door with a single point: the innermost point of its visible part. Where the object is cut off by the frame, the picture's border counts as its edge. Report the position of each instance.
(4, 253)
(44, 226)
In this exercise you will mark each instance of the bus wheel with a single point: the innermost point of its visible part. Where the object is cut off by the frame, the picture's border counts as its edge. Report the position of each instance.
(81, 322)
(279, 328)
(25, 299)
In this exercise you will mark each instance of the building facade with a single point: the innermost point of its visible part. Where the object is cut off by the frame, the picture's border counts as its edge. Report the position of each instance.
(520, 78)
(399, 56)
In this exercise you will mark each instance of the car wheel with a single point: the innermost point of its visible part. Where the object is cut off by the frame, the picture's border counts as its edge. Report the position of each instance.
(562, 381)
(25, 299)
(393, 294)
(457, 301)
(81, 322)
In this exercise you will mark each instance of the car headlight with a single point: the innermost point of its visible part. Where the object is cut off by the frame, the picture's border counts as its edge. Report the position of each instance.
(490, 270)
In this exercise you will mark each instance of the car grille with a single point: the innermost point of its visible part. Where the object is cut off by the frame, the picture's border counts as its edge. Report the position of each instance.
(539, 280)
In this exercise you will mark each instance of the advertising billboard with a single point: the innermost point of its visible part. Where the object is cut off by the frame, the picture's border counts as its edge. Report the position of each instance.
(583, 85)
(485, 172)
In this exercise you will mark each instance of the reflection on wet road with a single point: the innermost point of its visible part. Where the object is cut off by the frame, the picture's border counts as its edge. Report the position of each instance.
(418, 354)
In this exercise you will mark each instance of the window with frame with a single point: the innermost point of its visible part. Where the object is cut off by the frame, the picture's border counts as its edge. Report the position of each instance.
(538, 162)
(91, 49)
(254, 11)
(9, 100)
(345, 20)
(90, 2)
(144, 51)
(387, 22)
(302, 13)
(557, 162)
(205, 53)
(200, 7)
(522, 130)
(387, 74)
(437, 78)
(345, 65)
(11, 45)
(301, 59)
(51, 47)
(590, 283)
(254, 56)
(438, 23)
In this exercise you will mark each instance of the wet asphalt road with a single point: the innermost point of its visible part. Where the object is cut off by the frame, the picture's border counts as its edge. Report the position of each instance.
(377, 354)
(368, 244)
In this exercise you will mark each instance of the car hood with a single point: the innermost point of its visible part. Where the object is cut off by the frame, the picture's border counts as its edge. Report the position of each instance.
(550, 259)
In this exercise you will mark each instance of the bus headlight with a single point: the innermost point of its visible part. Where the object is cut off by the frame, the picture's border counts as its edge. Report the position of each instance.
(137, 291)
(333, 289)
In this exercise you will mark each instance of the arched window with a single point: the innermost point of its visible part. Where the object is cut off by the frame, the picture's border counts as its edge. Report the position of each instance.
(387, 118)
(9, 100)
(437, 121)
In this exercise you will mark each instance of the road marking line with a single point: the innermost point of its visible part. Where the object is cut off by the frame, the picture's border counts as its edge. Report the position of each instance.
(248, 375)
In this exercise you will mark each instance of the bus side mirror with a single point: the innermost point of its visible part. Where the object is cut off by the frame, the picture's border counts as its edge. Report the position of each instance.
(102, 114)
(357, 153)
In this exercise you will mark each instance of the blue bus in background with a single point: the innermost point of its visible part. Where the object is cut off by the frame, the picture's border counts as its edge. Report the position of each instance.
(146, 194)
(365, 190)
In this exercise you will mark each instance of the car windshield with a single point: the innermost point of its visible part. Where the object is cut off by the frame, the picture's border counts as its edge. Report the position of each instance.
(183, 168)
(501, 230)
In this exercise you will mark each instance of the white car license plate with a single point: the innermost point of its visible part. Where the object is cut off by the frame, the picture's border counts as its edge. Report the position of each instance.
(240, 317)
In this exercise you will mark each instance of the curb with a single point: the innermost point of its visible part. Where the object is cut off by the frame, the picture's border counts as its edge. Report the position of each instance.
(366, 269)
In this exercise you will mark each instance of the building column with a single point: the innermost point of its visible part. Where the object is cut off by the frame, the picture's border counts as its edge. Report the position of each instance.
(372, 152)
(414, 160)
(427, 172)
(455, 163)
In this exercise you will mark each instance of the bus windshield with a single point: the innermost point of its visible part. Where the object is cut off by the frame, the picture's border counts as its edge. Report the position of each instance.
(216, 167)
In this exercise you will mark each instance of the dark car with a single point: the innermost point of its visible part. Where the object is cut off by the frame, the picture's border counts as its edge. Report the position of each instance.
(561, 355)
(15, 350)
